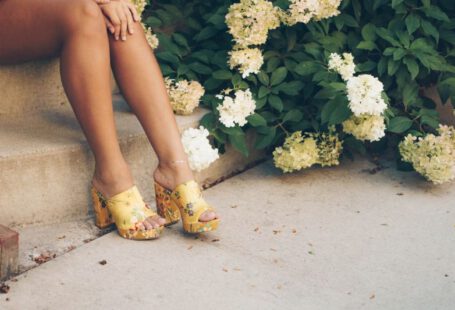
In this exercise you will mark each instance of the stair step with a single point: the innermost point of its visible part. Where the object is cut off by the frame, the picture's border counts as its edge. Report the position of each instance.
(32, 86)
(47, 165)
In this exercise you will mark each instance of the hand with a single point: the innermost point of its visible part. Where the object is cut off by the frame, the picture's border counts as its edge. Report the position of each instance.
(120, 15)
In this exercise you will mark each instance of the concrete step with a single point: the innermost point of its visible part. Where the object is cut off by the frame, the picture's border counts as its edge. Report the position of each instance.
(47, 165)
(32, 86)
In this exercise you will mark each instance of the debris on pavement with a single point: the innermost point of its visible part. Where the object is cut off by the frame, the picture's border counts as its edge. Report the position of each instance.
(4, 288)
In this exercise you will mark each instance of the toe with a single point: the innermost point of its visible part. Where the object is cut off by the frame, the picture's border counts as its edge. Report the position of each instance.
(207, 216)
(148, 225)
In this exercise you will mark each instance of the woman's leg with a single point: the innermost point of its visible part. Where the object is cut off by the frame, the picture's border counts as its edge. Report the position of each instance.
(75, 31)
(141, 82)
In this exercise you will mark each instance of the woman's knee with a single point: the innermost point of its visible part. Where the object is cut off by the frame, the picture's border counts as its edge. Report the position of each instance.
(84, 16)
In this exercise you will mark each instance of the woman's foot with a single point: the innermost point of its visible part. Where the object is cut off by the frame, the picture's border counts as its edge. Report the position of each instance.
(117, 181)
(172, 175)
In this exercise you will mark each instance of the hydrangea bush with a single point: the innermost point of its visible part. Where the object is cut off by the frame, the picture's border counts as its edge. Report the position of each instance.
(315, 79)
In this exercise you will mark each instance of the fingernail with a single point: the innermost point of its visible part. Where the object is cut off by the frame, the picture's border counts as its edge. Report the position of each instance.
(124, 38)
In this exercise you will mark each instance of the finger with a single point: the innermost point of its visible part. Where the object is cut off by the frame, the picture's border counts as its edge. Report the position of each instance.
(115, 20)
(133, 11)
(102, 1)
(129, 20)
(124, 24)
(109, 25)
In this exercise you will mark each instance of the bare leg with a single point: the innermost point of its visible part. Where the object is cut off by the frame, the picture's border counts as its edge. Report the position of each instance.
(75, 31)
(141, 82)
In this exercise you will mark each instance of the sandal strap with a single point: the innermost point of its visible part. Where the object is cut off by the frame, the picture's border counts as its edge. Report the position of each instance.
(189, 195)
(128, 208)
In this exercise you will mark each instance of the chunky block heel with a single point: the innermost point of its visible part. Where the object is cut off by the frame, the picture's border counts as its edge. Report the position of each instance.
(126, 210)
(165, 207)
(184, 202)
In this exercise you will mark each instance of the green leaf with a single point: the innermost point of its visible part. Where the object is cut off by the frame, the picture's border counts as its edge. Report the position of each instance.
(369, 32)
(168, 57)
(205, 33)
(276, 103)
(263, 91)
(412, 66)
(222, 75)
(278, 76)
(291, 88)
(366, 45)
(239, 143)
(412, 23)
(399, 124)
(395, 3)
(200, 68)
(392, 67)
(256, 120)
(410, 93)
(264, 140)
(431, 30)
(307, 67)
(293, 115)
(263, 78)
(436, 13)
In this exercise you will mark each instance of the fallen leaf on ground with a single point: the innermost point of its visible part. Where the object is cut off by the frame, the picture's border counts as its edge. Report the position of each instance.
(190, 247)
(62, 237)
(215, 240)
(311, 252)
(44, 257)
(4, 289)
(400, 194)
(294, 231)
(372, 296)
(276, 232)
(102, 262)
(225, 270)
(234, 206)
(256, 229)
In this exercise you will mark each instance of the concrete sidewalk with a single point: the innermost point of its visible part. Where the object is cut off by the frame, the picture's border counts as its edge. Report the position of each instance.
(349, 237)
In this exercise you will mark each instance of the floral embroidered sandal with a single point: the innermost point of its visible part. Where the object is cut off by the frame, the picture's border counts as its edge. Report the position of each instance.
(184, 202)
(127, 210)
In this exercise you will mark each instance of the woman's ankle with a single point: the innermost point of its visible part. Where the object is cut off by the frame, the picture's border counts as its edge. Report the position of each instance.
(113, 181)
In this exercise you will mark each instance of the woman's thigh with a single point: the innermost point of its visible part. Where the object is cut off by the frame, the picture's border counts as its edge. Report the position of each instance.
(35, 29)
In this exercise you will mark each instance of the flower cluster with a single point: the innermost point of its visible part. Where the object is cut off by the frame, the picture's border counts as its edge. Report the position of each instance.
(365, 127)
(249, 60)
(249, 21)
(364, 94)
(184, 95)
(303, 11)
(237, 109)
(301, 151)
(197, 146)
(432, 156)
(140, 5)
(152, 39)
(345, 65)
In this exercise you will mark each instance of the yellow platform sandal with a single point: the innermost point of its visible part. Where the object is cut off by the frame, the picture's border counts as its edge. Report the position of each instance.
(126, 210)
(184, 202)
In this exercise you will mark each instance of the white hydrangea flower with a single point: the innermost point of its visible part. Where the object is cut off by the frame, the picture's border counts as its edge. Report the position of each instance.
(249, 21)
(248, 60)
(198, 148)
(140, 5)
(345, 65)
(365, 127)
(152, 39)
(365, 95)
(303, 11)
(236, 110)
(432, 156)
(184, 95)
